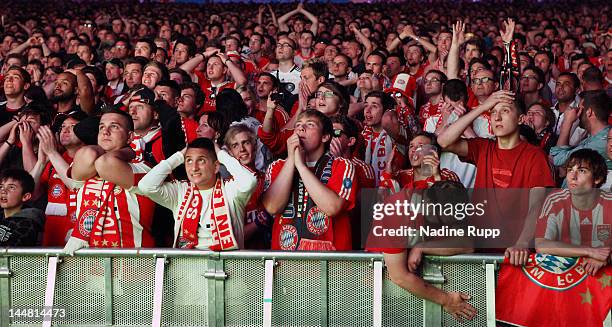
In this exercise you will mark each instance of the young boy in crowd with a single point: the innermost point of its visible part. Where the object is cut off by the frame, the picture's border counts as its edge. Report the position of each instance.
(19, 224)
(311, 193)
(576, 222)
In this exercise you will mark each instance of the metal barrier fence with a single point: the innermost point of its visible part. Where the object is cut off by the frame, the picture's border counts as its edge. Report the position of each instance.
(165, 287)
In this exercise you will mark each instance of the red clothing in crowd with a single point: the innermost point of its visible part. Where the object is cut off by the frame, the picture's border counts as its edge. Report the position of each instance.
(61, 206)
(280, 117)
(324, 232)
(524, 166)
(561, 221)
(209, 92)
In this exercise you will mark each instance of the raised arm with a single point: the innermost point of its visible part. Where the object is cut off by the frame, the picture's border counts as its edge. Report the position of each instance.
(234, 70)
(192, 63)
(282, 20)
(244, 178)
(276, 197)
(398, 40)
(273, 14)
(87, 99)
(450, 139)
(26, 137)
(83, 165)
(367, 44)
(48, 145)
(453, 53)
(114, 167)
(314, 26)
(23, 46)
(153, 184)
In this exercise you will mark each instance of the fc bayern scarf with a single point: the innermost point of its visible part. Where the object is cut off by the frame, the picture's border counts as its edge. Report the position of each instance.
(189, 215)
(102, 206)
(378, 155)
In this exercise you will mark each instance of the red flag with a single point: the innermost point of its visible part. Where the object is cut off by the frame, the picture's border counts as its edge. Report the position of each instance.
(553, 291)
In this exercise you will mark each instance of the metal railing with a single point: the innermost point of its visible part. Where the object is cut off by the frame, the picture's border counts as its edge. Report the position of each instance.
(166, 287)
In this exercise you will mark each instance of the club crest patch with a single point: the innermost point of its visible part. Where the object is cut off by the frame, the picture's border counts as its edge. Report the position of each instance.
(555, 273)
(603, 232)
(317, 221)
(288, 238)
(86, 222)
(57, 191)
(347, 183)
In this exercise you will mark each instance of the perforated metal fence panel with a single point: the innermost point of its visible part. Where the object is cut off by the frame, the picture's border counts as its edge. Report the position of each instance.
(350, 293)
(133, 281)
(400, 308)
(297, 294)
(185, 301)
(27, 286)
(470, 279)
(244, 292)
(80, 289)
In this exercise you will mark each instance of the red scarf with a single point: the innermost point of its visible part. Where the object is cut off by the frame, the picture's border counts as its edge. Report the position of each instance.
(98, 222)
(189, 215)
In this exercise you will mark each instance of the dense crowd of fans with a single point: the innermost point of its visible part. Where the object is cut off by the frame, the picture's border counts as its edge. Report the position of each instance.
(248, 126)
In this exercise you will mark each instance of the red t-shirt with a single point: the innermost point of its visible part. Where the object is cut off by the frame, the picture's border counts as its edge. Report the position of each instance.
(503, 181)
(61, 206)
(524, 166)
(335, 231)
(210, 94)
(275, 141)
(365, 173)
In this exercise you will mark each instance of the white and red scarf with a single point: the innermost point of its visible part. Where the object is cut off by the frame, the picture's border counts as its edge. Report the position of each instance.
(378, 150)
(190, 213)
(103, 209)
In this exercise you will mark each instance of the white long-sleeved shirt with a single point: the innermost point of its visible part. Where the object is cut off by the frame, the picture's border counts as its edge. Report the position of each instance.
(237, 192)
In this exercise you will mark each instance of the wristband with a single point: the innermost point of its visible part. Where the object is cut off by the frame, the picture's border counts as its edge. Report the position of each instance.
(9, 143)
(225, 62)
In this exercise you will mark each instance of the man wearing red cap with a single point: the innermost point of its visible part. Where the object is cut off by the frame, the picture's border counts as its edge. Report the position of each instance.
(402, 90)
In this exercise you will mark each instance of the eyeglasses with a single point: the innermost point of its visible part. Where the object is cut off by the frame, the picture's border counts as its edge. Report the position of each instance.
(339, 132)
(324, 94)
(284, 45)
(526, 77)
(396, 95)
(431, 80)
(478, 81)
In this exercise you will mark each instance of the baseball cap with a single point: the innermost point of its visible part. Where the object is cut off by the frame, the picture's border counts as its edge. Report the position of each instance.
(142, 94)
(402, 83)
(59, 119)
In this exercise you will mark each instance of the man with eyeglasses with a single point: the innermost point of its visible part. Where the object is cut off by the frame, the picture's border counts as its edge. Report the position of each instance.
(288, 73)
(121, 49)
(532, 82)
(432, 85)
(482, 85)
